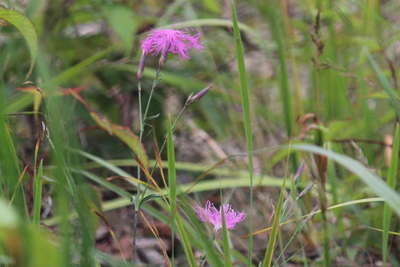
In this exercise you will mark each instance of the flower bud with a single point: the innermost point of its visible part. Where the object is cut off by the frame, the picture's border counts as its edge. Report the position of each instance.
(197, 96)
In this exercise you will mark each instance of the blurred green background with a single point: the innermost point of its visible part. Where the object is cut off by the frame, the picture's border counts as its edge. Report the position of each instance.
(323, 73)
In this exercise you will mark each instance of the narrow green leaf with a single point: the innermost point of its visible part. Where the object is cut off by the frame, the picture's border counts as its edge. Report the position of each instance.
(374, 182)
(172, 188)
(37, 202)
(185, 241)
(172, 199)
(121, 192)
(107, 165)
(244, 90)
(25, 26)
(225, 234)
(124, 134)
(392, 94)
(70, 73)
(269, 252)
(171, 171)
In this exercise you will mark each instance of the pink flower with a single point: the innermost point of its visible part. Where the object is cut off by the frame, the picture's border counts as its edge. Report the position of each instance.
(164, 41)
(212, 215)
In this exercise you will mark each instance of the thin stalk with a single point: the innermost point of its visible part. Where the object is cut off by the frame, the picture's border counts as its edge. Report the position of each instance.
(325, 228)
(153, 86)
(136, 207)
(244, 89)
(172, 129)
(267, 261)
(226, 246)
(172, 185)
(140, 110)
(321, 173)
(142, 121)
(38, 184)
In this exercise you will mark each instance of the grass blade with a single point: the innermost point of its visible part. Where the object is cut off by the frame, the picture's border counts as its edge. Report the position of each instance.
(10, 188)
(37, 202)
(334, 207)
(185, 241)
(391, 181)
(225, 234)
(267, 261)
(393, 97)
(202, 236)
(25, 26)
(172, 186)
(373, 181)
(171, 171)
(244, 90)
(172, 199)
(104, 183)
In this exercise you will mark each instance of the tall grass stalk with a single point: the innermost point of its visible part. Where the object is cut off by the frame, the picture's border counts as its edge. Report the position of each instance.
(244, 89)
(70, 190)
(320, 173)
(174, 216)
(9, 167)
(171, 171)
(58, 139)
(171, 183)
(225, 236)
(393, 96)
(325, 225)
(391, 181)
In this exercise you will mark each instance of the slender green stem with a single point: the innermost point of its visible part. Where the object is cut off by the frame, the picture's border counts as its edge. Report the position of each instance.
(325, 228)
(142, 122)
(173, 125)
(137, 201)
(153, 86)
(37, 203)
(140, 110)
(244, 89)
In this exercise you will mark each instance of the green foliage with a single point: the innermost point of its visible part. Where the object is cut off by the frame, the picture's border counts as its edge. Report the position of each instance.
(123, 21)
(27, 29)
(285, 76)
(244, 90)
(374, 183)
(267, 261)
